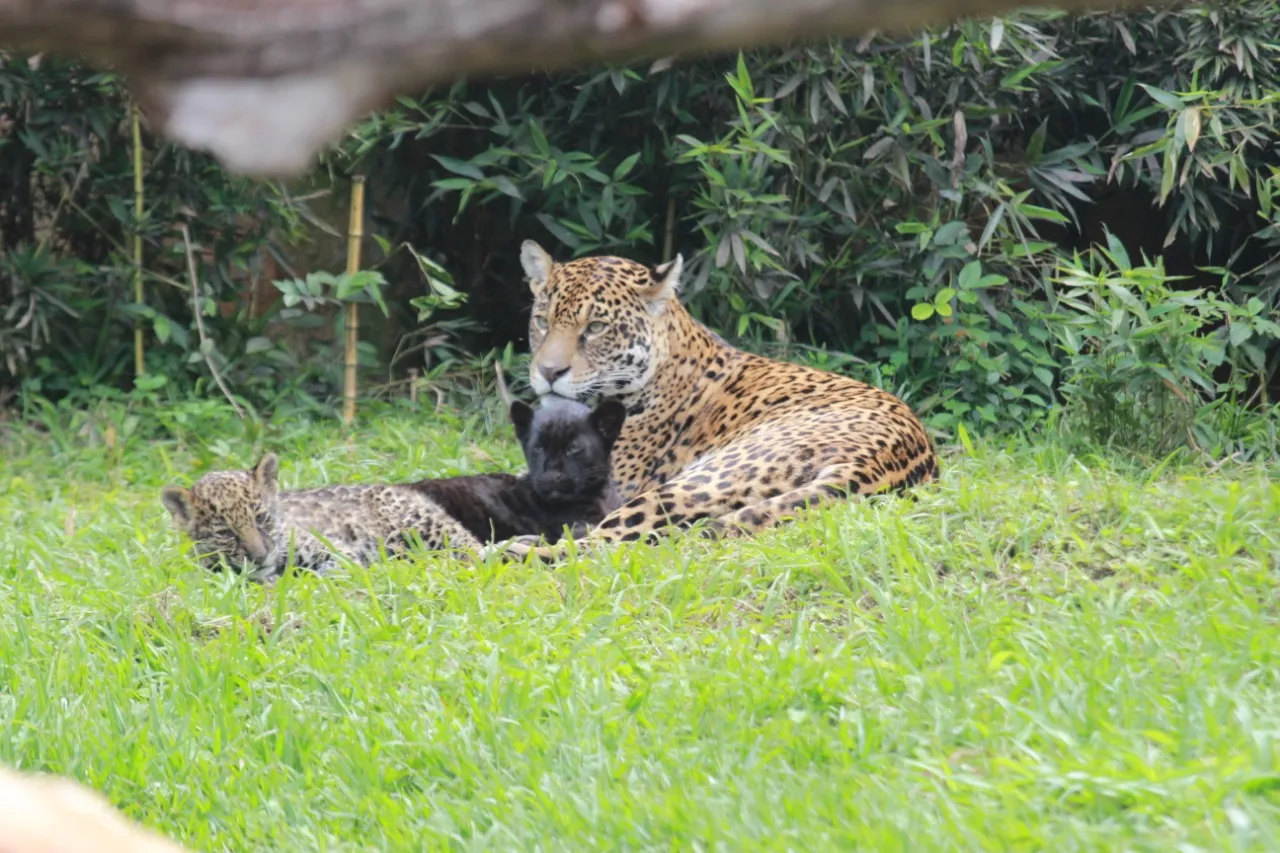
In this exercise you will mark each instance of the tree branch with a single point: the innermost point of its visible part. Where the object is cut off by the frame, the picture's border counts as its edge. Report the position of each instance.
(264, 84)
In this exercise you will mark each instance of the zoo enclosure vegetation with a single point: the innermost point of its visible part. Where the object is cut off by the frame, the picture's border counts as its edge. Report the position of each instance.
(1054, 647)
(987, 218)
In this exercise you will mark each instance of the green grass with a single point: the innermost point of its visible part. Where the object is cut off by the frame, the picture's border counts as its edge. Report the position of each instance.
(1045, 651)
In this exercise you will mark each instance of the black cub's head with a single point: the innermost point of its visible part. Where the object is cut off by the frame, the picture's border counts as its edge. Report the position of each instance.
(567, 446)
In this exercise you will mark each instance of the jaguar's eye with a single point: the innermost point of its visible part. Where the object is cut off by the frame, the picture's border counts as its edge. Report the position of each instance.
(540, 323)
(595, 327)
(262, 520)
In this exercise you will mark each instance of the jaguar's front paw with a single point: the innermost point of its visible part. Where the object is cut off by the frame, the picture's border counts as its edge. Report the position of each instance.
(516, 547)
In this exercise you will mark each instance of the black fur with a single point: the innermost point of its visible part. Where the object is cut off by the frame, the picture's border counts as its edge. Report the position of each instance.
(566, 446)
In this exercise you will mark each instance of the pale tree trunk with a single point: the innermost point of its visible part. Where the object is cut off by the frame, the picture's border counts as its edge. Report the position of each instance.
(47, 814)
(264, 84)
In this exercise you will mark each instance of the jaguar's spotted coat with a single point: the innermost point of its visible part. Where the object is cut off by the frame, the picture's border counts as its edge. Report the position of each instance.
(711, 432)
(242, 518)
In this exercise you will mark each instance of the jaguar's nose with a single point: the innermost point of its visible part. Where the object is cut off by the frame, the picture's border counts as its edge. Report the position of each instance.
(552, 372)
(255, 546)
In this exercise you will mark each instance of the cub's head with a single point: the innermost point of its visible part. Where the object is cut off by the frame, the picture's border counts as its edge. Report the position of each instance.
(595, 322)
(231, 515)
(567, 446)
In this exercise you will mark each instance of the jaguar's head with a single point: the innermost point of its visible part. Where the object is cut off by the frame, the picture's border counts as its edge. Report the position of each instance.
(596, 322)
(231, 516)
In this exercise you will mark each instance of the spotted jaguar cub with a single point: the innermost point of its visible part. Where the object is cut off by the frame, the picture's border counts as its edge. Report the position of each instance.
(243, 518)
(240, 516)
(566, 447)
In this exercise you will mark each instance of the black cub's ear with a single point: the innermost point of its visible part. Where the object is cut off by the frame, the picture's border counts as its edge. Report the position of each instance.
(606, 419)
(521, 414)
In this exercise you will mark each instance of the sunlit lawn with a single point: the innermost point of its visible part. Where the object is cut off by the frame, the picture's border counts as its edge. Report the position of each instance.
(1045, 651)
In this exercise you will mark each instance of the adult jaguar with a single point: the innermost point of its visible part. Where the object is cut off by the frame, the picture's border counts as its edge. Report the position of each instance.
(712, 432)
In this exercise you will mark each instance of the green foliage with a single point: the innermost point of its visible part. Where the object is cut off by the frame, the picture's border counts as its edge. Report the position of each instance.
(905, 202)
(1140, 356)
(901, 205)
(1046, 651)
(322, 288)
(67, 222)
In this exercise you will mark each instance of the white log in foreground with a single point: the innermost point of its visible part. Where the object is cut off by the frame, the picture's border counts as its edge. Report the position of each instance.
(47, 814)
(264, 84)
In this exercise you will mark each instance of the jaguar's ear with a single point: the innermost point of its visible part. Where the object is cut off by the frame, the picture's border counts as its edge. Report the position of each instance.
(666, 284)
(266, 474)
(178, 501)
(537, 265)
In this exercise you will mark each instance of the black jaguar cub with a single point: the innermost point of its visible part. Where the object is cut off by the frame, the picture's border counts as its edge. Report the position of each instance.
(566, 447)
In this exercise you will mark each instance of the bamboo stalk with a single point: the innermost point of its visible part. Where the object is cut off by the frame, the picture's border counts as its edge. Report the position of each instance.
(139, 362)
(355, 230)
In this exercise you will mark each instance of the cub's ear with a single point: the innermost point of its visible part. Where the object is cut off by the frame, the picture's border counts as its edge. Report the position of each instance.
(665, 285)
(266, 474)
(607, 418)
(521, 414)
(537, 265)
(178, 501)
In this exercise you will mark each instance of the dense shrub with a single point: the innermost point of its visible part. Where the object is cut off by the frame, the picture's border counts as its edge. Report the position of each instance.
(67, 222)
(911, 210)
(901, 202)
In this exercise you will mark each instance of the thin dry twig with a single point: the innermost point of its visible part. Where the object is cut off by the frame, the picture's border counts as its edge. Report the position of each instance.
(67, 193)
(195, 304)
(502, 384)
(1213, 469)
